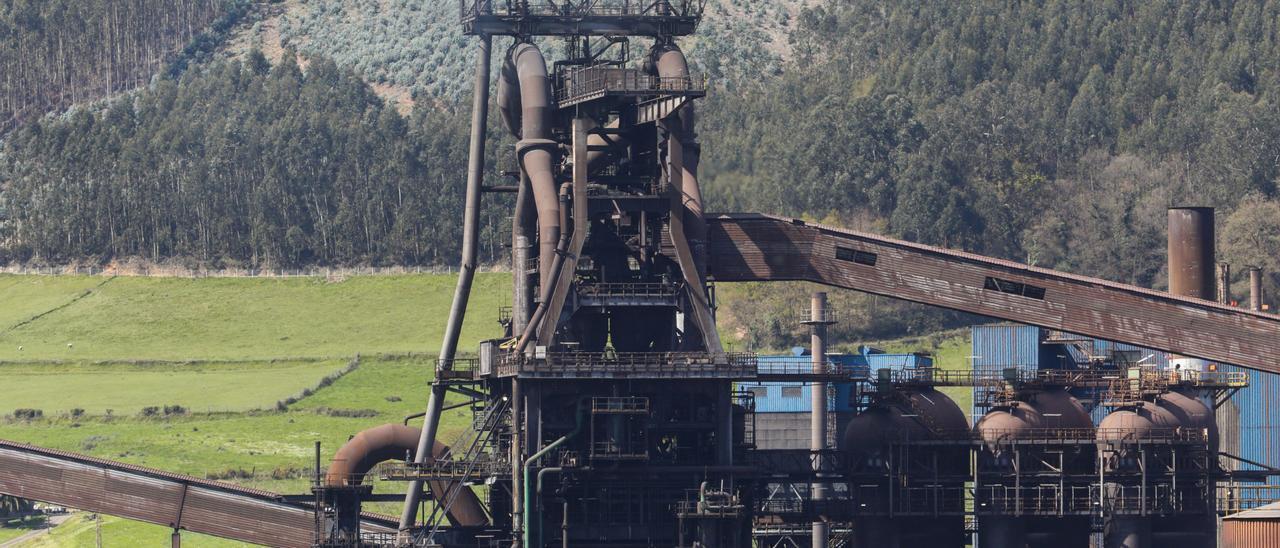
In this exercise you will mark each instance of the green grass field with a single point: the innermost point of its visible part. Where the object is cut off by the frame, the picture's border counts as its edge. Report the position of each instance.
(82, 531)
(131, 318)
(125, 389)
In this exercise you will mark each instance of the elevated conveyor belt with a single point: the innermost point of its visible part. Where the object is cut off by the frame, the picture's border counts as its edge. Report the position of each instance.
(755, 247)
(173, 500)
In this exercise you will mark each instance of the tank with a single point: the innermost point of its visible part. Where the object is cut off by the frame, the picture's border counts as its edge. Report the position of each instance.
(1196, 528)
(1118, 438)
(905, 416)
(1033, 413)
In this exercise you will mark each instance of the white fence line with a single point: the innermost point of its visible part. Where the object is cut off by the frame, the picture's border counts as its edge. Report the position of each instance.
(167, 271)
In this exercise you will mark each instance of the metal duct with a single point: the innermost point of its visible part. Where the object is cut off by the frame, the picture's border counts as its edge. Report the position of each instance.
(669, 62)
(395, 442)
(537, 152)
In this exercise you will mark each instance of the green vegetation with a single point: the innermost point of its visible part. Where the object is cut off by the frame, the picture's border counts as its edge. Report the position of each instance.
(950, 350)
(246, 319)
(56, 53)
(246, 164)
(82, 531)
(1051, 132)
(128, 389)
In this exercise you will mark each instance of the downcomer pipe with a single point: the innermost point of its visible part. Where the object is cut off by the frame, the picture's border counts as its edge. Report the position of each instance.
(466, 273)
(526, 111)
(669, 62)
(390, 442)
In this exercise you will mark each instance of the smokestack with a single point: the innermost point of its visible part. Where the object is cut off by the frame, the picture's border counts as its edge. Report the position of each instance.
(1191, 263)
(818, 322)
(1191, 252)
(1224, 283)
(1255, 289)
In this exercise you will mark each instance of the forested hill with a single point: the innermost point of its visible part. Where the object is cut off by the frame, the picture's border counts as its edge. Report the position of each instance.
(56, 53)
(1051, 132)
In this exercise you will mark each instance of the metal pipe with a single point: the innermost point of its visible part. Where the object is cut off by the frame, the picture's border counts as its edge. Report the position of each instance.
(534, 492)
(1224, 283)
(669, 62)
(818, 400)
(523, 227)
(517, 429)
(470, 235)
(536, 150)
(1255, 289)
(561, 253)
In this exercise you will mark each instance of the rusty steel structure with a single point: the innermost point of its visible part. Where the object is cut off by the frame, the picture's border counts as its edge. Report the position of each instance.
(604, 409)
(173, 500)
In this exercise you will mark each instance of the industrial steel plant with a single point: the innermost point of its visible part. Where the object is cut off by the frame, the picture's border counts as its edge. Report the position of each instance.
(607, 412)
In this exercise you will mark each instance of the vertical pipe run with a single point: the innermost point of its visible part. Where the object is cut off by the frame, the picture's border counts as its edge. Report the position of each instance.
(1224, 283)
(1255, 289)
(517, 457)
(818, 395)
(470, 235)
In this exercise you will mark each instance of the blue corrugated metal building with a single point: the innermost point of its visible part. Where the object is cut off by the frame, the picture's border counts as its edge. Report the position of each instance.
(793, 397)
(783, 409)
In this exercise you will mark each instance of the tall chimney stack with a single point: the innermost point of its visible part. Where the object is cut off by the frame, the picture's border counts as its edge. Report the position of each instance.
(1224, 283)
(1191, 252)
(1255, 289)
(1192, 257)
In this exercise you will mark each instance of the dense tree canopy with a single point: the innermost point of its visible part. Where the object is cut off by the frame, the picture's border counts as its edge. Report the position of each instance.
(55, 53)
(1052, 132)
(243, 164)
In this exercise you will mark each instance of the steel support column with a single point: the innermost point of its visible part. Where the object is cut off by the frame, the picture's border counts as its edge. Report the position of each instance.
(470, 235)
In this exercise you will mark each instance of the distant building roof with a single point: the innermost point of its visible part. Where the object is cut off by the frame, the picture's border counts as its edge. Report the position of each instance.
(1270, 511)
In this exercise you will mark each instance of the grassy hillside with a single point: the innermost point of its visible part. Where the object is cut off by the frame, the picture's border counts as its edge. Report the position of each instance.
(234, 318)
(214, 346)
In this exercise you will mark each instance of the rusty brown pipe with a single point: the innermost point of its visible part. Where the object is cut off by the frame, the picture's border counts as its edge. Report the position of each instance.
(508, 95)
(393, 442)
(667, 61)
(536, 150)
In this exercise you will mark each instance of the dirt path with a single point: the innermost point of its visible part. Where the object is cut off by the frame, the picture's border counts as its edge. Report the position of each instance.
(54, 521)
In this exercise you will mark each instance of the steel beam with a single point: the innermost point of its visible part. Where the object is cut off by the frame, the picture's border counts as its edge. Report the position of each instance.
(755, 247)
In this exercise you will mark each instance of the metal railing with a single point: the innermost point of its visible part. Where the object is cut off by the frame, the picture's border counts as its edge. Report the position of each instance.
(802, 366)
(594, 81)
(1238, 498)
(632, 364)
(457, 368)
(628, 290)
(469, 10)
(619, 405)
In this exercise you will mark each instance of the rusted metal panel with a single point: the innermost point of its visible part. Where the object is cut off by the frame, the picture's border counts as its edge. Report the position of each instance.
(753, 247)
(155, 496)
(1249, 533)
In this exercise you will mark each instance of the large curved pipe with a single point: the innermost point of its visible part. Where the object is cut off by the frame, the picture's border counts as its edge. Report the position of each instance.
(396, 441)
(669, 62)
(532, 94)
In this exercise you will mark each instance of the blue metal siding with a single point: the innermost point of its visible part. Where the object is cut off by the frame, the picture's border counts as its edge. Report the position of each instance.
(1250, 422)
(998, 346)
(841, 397)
